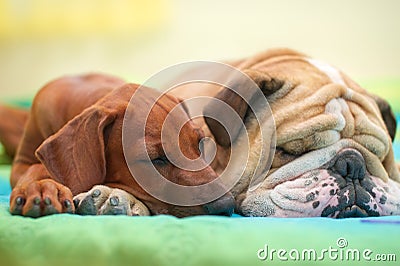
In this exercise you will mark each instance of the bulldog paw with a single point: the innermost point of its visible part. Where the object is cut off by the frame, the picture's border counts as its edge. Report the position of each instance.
(103, 200)
(40, 198)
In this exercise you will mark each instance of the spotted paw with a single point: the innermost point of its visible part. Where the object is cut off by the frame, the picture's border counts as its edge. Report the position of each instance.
(103, 200)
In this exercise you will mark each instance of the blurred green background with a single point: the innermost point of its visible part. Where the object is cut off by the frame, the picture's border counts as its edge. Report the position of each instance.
(43, 39)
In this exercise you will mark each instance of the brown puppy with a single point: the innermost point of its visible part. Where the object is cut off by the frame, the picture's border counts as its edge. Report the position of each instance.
(72, 142)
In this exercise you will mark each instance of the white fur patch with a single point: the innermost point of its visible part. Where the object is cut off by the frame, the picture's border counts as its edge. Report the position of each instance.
(334, 107)
(328, 70)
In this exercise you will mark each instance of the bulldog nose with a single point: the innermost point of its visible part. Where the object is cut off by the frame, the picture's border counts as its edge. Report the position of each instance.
(222, 206)
(350, 164)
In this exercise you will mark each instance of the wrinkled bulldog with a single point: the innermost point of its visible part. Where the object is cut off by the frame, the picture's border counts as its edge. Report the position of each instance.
(333, 155)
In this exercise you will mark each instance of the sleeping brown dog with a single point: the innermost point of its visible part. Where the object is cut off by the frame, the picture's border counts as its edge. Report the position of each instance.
(333, 154)
(71, 146)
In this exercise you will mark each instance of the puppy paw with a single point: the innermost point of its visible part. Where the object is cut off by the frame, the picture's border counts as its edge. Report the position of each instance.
(103, 200)
(40, 198)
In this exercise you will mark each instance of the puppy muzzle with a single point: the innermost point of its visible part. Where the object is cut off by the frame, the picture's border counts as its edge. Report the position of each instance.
(223, 206)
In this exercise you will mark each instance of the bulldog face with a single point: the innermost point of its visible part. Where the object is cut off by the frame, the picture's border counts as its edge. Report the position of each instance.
(333, 153)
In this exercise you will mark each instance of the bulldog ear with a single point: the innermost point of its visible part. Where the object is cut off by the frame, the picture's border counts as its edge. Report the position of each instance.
(75, 155)
(387, 115)
(268, 86)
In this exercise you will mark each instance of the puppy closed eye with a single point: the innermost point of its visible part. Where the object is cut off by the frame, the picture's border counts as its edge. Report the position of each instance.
(201, 148)
(160, 161)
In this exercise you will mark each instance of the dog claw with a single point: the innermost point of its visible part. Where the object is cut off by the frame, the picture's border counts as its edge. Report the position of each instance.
(19, 201)
(67, 204)
(47, 201)
(36, 201)
(96, 193)
(114, 201)
(76, 202)
(87, 207)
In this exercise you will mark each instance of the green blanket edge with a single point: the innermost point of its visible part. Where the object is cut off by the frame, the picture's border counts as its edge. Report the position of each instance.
(166, 240)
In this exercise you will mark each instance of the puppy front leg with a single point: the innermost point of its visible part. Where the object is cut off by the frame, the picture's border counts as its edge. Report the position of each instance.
(36, 194)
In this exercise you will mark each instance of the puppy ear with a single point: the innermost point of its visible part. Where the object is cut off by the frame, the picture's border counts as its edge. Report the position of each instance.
(387, 115)
(75, 155)
(268, 86)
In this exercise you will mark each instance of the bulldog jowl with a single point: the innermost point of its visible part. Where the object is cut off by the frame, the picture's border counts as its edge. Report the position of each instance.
(357, 195)
(341, 188)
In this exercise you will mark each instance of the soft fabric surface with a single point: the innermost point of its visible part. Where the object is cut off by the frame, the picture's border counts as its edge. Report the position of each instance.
(165, 240)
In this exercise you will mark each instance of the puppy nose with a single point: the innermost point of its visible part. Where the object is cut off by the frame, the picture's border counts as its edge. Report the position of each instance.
(350, 164)
(222, 206)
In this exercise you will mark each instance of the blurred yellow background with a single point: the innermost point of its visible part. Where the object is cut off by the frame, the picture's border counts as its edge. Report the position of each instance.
(44, 39)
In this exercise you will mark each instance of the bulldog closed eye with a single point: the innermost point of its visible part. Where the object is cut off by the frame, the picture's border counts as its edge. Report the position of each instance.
(335, 156)
(333, 152)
